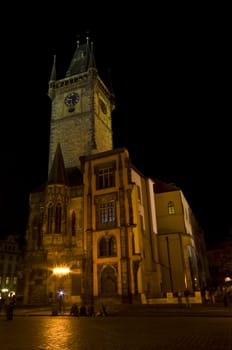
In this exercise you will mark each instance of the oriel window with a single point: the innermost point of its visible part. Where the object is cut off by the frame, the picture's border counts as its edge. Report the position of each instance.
(107, 212)
(105, 178)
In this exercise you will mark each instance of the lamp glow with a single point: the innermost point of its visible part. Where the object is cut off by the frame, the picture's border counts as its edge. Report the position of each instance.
(61, 270)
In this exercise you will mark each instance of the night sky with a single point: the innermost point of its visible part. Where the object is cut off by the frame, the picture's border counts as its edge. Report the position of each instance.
(171, 75)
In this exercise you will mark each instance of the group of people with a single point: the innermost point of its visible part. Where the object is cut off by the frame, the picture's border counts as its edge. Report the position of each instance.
(83, 311)
(211, 295)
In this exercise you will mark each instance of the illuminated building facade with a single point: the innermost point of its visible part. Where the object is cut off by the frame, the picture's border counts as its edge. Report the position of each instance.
(10, 263)
(96, 215)
(181, 244)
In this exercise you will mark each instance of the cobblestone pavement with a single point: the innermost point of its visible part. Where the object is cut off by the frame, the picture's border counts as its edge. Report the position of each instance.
(116, 333)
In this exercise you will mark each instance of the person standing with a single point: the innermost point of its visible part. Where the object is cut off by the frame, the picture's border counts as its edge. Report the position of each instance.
(10, 303)
(225, 297)
(187, 301)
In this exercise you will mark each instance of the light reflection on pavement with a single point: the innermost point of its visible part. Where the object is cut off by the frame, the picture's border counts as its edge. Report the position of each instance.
(114, 333)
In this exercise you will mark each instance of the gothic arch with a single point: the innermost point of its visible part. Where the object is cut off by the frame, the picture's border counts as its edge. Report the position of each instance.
(108, 281)
(107, 246)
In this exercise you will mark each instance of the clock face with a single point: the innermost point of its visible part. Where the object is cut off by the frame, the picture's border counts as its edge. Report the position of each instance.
(103, 106)
(72, 99)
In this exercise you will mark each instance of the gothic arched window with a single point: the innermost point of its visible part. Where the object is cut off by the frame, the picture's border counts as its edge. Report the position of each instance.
(107, 247)
(74, 226)
(58, 219)
(50, 215)
(112, 246)
(103, 247)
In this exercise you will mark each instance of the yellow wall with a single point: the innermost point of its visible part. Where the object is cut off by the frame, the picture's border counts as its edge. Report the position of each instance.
(169, 223)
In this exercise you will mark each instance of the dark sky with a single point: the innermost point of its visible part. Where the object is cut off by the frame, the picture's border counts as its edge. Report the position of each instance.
(171, 74)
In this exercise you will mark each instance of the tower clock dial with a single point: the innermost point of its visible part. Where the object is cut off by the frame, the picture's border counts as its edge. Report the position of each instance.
(72, 99)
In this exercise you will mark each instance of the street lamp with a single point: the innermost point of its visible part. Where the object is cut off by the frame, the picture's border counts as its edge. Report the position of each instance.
(59, 273)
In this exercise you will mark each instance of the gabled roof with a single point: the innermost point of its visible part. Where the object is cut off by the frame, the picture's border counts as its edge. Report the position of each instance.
(161, 187)
(59, 175)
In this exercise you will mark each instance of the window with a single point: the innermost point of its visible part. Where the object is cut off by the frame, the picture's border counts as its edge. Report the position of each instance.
(50, 214)
(103, 247)
(107, 212)
(105, 176)
(112, 246)
(58, 219)
(107, 247)
(73, 224)
(171, 208)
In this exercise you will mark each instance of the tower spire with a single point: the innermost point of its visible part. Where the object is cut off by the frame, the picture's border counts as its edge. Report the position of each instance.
(78, 40)
(87, 36)
(53, 72)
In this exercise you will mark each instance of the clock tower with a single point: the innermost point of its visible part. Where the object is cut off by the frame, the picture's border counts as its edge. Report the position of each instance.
(94, 234)
(81, 109)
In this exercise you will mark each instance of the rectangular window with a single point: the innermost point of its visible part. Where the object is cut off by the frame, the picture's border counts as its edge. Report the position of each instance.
(105, 178)
(107, 212)
(105, 175)
(106, 216)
